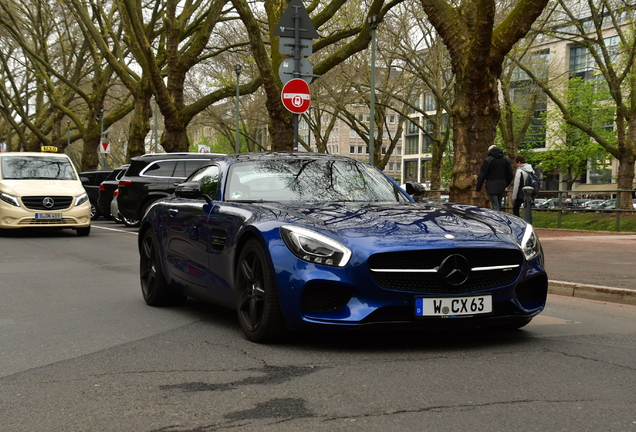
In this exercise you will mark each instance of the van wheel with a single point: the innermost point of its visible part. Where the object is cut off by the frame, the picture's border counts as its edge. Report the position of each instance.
(83, 232)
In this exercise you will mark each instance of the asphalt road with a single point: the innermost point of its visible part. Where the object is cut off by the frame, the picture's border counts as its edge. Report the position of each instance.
(80, 351)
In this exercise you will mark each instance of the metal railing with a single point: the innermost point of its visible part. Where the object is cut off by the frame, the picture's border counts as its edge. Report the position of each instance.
(562, 199)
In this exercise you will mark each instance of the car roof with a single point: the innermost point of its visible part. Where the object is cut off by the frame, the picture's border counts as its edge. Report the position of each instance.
(180, 155)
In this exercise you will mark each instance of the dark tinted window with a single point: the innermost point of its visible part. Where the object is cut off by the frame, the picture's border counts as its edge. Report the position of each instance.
(209, 179)
(160, 169)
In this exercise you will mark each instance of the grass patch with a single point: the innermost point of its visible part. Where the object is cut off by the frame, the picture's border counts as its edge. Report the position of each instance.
(585, 221)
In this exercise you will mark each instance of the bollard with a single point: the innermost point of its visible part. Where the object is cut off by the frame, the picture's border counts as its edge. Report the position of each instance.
(527, 203)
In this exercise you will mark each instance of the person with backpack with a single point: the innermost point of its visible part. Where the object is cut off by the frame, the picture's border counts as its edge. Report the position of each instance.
(496, 171)
(524, 170)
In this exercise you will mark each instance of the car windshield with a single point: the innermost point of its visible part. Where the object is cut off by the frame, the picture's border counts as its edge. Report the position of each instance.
(310, 180)
(37, 168)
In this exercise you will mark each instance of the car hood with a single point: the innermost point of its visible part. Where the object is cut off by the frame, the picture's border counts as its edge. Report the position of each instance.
(42, 187)
(425, 221)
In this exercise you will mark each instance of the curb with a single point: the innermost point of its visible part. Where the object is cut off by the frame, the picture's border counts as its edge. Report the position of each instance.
(593, 292)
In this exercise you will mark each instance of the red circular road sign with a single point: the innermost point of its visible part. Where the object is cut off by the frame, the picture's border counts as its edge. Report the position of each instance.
(296, 96)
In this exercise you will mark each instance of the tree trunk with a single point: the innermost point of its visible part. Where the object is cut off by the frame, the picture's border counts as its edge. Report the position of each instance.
(475, 115)
(139, 127)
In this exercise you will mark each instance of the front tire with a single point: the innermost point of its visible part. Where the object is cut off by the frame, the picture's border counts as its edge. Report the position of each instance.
(94, 212)
(83, 232)
(153, 282)
(258, 308)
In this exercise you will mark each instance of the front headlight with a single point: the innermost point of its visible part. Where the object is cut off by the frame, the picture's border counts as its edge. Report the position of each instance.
(81, 199)
(314, 247)
(9, 199)
(530, 243)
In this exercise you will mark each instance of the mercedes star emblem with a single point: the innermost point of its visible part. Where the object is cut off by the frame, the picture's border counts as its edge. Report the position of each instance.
(454, 269)
(48, 202)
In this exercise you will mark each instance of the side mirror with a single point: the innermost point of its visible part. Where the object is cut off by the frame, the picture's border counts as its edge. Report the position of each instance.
(85, 180)
(413, 188)
(191, 190)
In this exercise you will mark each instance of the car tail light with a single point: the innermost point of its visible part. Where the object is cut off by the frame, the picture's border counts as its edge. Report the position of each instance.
(124, 182)
(102, 187)
(115, 193)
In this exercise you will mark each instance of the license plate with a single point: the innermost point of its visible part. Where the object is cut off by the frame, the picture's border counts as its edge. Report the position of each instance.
(48, 215)
(452, 306)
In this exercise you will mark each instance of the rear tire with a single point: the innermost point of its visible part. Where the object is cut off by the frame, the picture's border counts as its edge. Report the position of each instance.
(130, 223)
(154, 287)
(94, 212)
(258, 308)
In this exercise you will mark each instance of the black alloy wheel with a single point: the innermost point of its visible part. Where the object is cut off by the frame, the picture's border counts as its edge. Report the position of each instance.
(258, 308)
(153, 282)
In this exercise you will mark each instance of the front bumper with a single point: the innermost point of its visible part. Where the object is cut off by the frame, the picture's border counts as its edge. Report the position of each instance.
(12, 217)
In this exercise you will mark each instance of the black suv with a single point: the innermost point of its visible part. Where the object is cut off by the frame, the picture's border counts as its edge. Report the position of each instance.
(91, 181)
(154, 176)
(106, 189)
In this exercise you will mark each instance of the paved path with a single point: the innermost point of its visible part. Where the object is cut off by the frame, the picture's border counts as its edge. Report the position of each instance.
(594, 265)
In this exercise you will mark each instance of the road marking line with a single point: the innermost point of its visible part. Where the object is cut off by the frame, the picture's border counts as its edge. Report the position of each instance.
(115, 229)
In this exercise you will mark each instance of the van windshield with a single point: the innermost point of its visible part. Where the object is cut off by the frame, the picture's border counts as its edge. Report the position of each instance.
(37, 168)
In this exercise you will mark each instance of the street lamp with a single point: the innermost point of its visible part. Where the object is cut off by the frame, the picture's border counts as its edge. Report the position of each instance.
(373, 22)
(237, 69)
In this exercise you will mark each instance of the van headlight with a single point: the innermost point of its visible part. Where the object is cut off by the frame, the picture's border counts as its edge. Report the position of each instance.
(81, 199)
(530, 244)
(9, 199)
(314, 247)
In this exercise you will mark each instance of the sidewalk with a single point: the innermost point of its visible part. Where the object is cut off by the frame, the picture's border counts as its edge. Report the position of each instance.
(593, 265)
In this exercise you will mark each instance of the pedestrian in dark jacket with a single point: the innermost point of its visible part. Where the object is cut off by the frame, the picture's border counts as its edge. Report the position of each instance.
(496, 171)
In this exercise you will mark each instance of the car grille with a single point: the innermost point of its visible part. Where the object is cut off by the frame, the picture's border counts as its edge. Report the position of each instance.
(485, 268)
(35, 202)
(64, 221)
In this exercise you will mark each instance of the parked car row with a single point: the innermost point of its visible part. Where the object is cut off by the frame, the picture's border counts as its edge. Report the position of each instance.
(577, 204)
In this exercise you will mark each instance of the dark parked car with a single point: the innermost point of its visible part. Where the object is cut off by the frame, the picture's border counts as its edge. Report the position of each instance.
(107, 188)
(308, 240)
(91, 181)
(153, 176)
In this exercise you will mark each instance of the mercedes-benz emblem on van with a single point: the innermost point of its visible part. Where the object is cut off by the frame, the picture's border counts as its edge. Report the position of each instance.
(48, 202)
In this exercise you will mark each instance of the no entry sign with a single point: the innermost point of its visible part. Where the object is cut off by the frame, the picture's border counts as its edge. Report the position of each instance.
(296, 96)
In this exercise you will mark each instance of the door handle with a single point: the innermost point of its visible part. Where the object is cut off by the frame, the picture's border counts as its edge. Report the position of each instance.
(173, 212)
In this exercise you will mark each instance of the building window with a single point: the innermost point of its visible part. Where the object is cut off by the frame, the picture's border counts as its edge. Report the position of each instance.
(581, 62)
(352, 149)
(398, 166)
(352, 133)
(412, 144)
(391, 166)
(398, 151)
(412, 126)
(430, 104)
(392, 119)
(359, 149)
(367, 149)
(383, 150)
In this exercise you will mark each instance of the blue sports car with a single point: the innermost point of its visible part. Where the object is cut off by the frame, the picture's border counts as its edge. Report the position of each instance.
(305, 240)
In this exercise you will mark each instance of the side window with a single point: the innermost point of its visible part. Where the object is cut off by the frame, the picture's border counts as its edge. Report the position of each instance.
(209, 179)
(192, 165)
(160, 169)
(179, 170)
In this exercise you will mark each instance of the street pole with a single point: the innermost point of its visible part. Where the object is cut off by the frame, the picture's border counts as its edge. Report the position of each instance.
(373, 22)
(101, 136)
(237, 148)
(156, 131)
